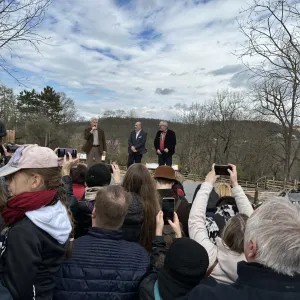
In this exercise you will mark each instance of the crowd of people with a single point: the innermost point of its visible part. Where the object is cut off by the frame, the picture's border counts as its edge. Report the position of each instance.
(73, 232)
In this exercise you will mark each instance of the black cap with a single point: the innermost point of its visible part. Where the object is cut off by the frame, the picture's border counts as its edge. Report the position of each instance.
(98, 175)
(187, 261)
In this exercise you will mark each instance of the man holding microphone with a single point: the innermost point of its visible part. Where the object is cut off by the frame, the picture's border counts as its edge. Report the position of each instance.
(95, 145)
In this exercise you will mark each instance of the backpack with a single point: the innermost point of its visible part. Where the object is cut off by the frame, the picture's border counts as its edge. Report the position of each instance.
(168, 232)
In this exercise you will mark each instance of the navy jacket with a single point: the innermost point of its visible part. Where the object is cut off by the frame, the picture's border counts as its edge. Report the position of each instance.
(103, 266)
(139, 143)
(255, 282)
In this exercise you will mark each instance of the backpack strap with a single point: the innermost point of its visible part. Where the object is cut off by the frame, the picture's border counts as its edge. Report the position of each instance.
(210, 270)
(178, 202)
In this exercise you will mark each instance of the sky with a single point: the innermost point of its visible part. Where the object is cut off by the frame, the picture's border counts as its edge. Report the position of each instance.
(150, 56)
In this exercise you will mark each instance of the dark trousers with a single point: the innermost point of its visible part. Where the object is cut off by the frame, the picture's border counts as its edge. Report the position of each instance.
(165, 159)
(134, 158)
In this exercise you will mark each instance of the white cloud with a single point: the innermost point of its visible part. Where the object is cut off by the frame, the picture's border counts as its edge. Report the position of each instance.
(191, 42)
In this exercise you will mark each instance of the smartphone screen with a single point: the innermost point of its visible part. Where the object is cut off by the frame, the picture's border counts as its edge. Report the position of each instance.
(222, 170)
(168, 206)
(61, 152)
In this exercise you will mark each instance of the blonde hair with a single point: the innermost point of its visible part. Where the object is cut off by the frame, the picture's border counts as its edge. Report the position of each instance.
(233, 233)
(223, 190)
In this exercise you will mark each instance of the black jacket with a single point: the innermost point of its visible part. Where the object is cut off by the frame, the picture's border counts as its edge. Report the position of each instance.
(131, 229)
(139, 143)
(212, 201)
(29, 262)
(255, 282)
(103, 266)
(4, 293)
(146, 289)
(81, 213)
(170, 141)
(2, 131)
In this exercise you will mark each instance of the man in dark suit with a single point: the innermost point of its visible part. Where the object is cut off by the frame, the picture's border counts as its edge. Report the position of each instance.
(165, 143)
(136, 144)
(95, 145)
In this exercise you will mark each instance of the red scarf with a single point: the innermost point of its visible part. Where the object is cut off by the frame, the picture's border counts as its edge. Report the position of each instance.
(78, 191)
(17, 206)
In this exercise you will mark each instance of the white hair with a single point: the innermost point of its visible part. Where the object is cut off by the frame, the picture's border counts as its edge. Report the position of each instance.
(94, 119)
(275, 227)
(164, 123)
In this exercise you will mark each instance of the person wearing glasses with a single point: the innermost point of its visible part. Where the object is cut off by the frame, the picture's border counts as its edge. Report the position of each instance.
(165, 143)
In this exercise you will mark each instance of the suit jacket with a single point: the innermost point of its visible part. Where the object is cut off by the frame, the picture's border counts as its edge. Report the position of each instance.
(170, 141)
(88, 136)
(139, 143)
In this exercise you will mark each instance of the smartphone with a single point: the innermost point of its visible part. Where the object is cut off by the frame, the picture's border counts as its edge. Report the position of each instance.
(222, 170)
(61, 152)
(168, 208)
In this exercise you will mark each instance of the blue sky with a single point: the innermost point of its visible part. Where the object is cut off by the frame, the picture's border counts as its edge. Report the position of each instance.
(146, 55)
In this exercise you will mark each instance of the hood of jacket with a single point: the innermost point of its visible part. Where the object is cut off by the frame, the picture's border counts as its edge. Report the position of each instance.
(226, 269)
(54, 220)
(135, 213)
(90, 193)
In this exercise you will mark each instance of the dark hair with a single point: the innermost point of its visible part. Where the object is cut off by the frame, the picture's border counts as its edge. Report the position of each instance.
(234, 231)
(111, 204)
(165, 180)
(138, 180)
(78, 174)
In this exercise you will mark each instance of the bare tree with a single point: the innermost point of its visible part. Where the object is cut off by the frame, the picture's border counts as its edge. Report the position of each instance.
(225, 109)
(69, 111)
(18, 23)
(272, 32)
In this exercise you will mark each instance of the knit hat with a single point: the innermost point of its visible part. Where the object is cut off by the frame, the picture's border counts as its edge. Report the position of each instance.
(185, 265)
(98, 175)
(165, 172)
(30, 157)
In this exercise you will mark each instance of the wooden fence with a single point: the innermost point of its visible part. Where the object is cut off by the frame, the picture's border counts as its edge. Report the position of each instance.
(264, 184)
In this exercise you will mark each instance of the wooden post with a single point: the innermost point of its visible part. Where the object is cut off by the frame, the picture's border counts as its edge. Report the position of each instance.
(256, 196)
(266, 184)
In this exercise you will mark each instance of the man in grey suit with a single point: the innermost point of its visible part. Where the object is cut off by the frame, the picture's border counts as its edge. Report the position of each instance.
(136, 144)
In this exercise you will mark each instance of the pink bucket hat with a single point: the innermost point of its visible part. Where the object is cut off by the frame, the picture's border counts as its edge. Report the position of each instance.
(30, 157)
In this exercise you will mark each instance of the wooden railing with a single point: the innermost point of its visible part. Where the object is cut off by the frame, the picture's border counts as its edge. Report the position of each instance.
(263, 184)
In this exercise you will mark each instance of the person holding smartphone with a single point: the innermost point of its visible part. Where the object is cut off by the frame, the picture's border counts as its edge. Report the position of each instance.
(165, 179)
(95, 145)
(228, 249)
(174, 273)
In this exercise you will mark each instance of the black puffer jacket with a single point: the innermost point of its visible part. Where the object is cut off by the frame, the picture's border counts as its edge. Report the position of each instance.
(134, 220)
(146, 289)
(29, 261)
(103, 266)
(81, 213)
